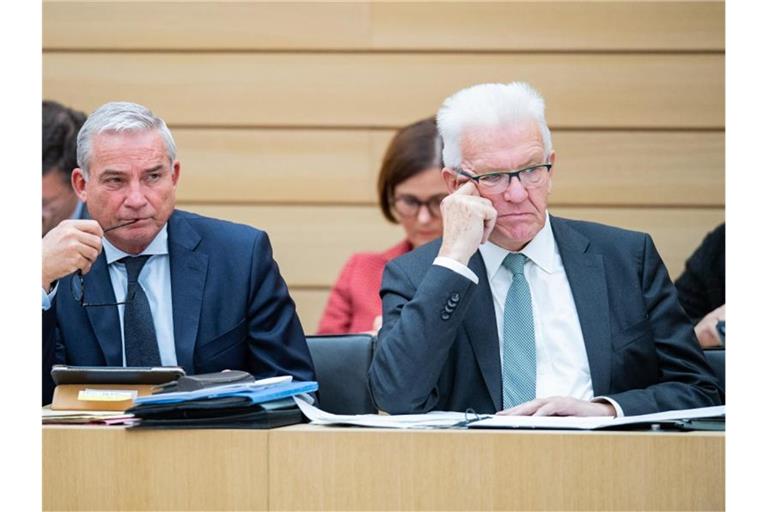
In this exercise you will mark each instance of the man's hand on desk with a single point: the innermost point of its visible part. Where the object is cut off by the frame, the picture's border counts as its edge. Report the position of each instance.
(70, 246)
(560, 406)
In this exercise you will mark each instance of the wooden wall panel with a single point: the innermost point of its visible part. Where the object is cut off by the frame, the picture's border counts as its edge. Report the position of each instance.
(310, 304)
(459, 26)
(557, 26)
(312, 242)
(386, 90)
(341, 166)
(255, 166)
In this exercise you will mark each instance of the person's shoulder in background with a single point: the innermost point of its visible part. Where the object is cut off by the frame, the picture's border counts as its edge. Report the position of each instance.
(354, 303)
(701, 286)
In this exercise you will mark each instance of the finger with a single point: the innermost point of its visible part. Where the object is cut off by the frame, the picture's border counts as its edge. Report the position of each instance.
(88, 226)
(489, 223)
(89, 240)
(524, 409)
(85, 267)
(467, 189)
(552, 408)
(88, 253)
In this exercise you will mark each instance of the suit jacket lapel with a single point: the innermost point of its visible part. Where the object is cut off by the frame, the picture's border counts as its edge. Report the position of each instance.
(482, 332)
(104, 320)
(586, 276)
(188, 271)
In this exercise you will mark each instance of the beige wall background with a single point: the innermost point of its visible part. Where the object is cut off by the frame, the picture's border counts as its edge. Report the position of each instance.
(281, 111)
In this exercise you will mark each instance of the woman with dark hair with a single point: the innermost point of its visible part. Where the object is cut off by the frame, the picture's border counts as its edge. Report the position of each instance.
(410, 189)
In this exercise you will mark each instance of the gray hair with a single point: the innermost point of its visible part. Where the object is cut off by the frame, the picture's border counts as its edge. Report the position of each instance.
(489, 105)
(120, 117)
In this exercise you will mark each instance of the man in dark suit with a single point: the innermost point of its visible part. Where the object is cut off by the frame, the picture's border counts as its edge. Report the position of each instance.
(144, 284)
(60, 127)
(519, 311)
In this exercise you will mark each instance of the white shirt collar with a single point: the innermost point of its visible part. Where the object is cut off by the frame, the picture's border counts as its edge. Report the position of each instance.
(541, 250)
(159, 245)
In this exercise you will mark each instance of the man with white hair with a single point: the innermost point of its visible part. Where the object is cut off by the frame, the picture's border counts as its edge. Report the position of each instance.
(144, 284)
(519, 311)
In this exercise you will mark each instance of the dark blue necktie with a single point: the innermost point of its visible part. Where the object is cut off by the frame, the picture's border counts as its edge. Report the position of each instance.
(138, 328)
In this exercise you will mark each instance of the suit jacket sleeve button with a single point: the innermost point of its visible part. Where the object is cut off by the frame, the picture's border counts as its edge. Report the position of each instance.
(445, 316)
(455, 297)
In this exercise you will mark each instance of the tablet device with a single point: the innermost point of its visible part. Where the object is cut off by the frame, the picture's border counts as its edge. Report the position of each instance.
(63, 374)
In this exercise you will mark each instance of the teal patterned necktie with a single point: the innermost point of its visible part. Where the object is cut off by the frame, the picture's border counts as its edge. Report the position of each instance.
(518, 374)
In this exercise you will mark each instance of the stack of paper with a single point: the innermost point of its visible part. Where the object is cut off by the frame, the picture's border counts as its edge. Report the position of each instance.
(51, 417)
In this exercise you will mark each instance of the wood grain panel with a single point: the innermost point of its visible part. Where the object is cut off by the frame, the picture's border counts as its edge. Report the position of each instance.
(359, 469)
(310, 304)
(562, 26)
(311, 243)
(387, 90)
(461, 26)
(307, 467)
(101, 468)
(326, 166)
(341, 166)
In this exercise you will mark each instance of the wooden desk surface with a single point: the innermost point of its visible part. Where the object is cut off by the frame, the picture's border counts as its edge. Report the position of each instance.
(306, 467)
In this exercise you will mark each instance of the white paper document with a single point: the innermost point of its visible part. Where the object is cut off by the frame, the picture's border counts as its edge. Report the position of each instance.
(442, 419)
(429, 420)
(594, 422)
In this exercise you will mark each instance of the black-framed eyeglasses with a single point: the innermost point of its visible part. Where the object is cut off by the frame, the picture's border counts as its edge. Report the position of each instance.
(495, 182)
(408, 206)
(77, 283)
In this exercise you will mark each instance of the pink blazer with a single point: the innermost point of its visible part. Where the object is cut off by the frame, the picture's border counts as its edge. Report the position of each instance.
(354, 302)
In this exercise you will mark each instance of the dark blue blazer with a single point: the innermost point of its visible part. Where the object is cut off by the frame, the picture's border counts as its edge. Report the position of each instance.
(231, 308)
(640, 345)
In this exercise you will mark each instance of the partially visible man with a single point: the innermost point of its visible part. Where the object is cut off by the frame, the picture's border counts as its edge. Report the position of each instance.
(517, 310)
(60, 127)
(701, 288)
(144, 284)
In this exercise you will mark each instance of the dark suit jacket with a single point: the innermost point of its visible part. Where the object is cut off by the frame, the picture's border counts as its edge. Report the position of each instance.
(641, 348)
(231, 308)
(701, 286)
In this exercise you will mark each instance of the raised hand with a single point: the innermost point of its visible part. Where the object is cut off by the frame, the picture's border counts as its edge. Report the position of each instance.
(468, 220)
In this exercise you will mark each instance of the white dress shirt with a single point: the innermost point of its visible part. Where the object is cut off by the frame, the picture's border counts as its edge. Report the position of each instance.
(562, 367)
(155, 279)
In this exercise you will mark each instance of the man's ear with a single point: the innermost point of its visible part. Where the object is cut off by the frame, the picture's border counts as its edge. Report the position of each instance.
(552, 158)
(78, 184)
(451, 179)
(175, 172)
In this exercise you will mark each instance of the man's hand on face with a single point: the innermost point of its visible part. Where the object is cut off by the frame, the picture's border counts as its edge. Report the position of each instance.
(706, 329)
(560, 406)
(70, 246)
(468, 220)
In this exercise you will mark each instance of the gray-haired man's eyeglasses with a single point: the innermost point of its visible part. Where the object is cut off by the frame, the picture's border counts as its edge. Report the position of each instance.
(495, 182)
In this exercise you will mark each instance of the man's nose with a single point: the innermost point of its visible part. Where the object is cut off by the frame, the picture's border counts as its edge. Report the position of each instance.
(135, 197)
(515, 191)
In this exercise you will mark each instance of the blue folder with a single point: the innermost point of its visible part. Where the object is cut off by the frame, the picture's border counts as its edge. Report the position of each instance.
(256, 393)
